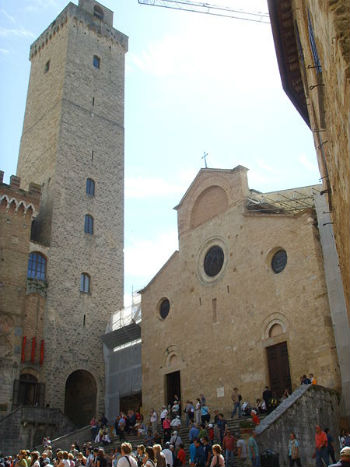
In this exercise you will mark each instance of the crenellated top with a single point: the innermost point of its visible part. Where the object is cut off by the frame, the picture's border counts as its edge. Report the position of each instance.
(12, 197)
(79, 13)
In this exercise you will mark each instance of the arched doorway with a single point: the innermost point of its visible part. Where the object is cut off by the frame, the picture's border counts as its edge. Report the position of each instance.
(80, 397)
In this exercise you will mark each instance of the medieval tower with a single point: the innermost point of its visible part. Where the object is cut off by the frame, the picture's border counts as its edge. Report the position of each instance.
(73, 146)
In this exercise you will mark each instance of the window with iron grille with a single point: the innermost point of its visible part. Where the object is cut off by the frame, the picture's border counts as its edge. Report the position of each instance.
(36, 266)
(84, 283)
(316, 58)
(89, 224)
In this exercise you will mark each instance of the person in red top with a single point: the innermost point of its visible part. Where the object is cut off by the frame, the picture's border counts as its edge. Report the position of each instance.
(255, 417)
(229, 445)
(321, 451)
(166, 428)
(181, 455)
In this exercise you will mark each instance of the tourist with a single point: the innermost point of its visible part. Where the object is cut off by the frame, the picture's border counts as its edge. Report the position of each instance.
(305, 380)
(229, 446)
(293, 451)
(176, 422)
(203, 399)
(126, 459)
(199, 457)
(197, 411)
(168, 455)
(312, 379)
(35, 459)
(163, 414)
(255, 418)
(217, 459)
(205, 415)
(116, 456)
(167, 429)
(321, 447)
(181, 455)
(150, 457)
(253, 450)
(189, 411)
(193, 433)
(221, 423)
(192, 450)
(267, 396)
(153, 420)
(344, 458)
(175, 409)
(330, 445)
(71, 459)
(22, 461)
(140, 455)
(285, 394)
(202, 432)
(241, 451)
(159, 456)
(207, 450)
(211, 433)
(175, 439)
(236, 399)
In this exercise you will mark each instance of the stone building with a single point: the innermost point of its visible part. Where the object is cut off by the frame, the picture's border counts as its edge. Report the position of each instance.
(312, 41)
(73, 146)
(21, 315)
(243, 302)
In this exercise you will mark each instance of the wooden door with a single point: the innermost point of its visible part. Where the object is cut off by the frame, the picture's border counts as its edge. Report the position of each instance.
(278, 362)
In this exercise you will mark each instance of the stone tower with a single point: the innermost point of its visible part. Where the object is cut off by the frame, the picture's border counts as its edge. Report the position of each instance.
(73, 146)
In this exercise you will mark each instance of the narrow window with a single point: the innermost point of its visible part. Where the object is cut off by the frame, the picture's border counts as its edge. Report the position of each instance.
(213, 303)
(85, 283)
(90, 187)
(96, 61)
(89, 224)
(316, 58)
(84, 320)
(98, 12)
(47, 66)
(92, 155)
(93, 101)
(36, 266)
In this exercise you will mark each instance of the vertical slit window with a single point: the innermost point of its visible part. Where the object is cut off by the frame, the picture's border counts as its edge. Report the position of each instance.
(96, 61)
(84, 283)
(36, 266)
(89, 224)
(90, 187)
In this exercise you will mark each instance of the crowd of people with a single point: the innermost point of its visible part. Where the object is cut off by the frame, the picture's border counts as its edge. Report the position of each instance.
(211, 443)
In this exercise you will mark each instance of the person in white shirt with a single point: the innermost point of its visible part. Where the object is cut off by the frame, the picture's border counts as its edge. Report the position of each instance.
(163, 414)
(154, 420)
(175, 439)
(242, 449)
(176, 422)
(168, 455)
(126, 459)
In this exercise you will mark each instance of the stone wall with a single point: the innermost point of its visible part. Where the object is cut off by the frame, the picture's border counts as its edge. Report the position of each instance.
(307, 407)
(219, 328)
(17, 208)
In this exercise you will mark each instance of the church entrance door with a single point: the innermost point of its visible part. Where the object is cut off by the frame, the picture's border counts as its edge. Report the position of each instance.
(173, 386)
(80, 397)
(278, 362)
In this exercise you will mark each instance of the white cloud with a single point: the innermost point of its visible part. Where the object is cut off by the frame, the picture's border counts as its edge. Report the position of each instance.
(141, 187)
(309, 163)
(144, 258)
(40, 4)
(10, 18)
(4, 51)
(19, 32)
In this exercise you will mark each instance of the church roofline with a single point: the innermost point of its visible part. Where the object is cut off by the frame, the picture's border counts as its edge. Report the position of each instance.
(176, 252)
(228, 171)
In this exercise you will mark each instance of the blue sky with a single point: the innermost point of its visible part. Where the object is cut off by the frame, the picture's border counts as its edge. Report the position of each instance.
(194, 83)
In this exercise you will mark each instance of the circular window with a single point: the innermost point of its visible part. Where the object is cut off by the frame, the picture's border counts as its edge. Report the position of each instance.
(164, 308)
(213, 261)
(279, 261)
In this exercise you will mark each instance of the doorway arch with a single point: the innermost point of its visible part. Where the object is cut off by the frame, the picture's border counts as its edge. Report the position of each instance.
(80, 397)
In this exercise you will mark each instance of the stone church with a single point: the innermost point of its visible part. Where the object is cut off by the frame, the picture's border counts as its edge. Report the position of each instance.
(68, 275)
(243, 302)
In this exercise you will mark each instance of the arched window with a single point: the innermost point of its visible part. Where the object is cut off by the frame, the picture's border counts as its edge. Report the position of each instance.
(90, 187)
(85, 283)
(89, 224)
(98, 12)
(37, 266)
(96, 61)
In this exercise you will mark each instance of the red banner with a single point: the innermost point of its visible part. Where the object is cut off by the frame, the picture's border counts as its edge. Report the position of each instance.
(24, 340)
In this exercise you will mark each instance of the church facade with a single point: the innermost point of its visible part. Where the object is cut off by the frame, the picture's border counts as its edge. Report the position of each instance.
(243, 302)
(72, 146)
